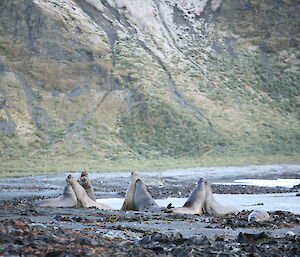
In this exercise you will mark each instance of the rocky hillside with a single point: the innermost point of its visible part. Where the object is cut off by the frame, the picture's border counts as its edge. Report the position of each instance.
(117, 79)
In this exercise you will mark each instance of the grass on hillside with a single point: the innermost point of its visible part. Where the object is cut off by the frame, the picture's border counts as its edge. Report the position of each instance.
(25, 167)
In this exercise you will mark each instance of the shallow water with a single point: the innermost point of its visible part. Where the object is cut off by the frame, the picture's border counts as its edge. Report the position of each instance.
(268, 202)
(289, 183)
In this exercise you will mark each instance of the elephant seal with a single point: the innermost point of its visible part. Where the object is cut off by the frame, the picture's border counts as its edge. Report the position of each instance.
(83, 200)
(195, 201)
(142, 199)
(67, 199)
(128, 203)
(137, 197)
(214, 208)
(258, 216)
(85, 183)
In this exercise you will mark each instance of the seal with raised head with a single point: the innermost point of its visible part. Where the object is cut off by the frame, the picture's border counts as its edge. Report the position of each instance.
(67, 199)
(83, 199)
(137, 197)
(258, 216)
(195, 201)
(86, 184)
(142, 199)
(214, 208)
(128, 203)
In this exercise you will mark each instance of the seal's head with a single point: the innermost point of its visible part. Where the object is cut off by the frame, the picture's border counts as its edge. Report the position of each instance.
(135, 176)
(201, 180)
(252, 219)
(69, 178)
(84, 174)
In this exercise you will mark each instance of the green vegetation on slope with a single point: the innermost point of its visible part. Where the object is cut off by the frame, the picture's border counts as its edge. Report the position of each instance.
(80, 90)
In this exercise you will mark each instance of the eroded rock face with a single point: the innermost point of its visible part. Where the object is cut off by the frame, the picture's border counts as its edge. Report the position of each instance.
(122, 78)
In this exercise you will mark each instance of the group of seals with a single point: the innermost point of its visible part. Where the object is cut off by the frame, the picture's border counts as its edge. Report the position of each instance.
(83, 199)
(201, 200)
(76, 194)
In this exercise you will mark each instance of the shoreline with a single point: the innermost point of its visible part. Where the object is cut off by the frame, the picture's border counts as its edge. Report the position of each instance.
(37, 231)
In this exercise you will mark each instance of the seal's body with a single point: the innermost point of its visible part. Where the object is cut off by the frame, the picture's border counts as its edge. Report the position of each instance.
(195, 201)
(67, 199)
(83, 200)
(258, 216)
(142, 199)
(214, 208)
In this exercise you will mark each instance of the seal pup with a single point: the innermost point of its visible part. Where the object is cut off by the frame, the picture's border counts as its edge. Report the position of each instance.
(83, 200)
(67, 199)
(128, 203)
(258, 216)
(142, 199)
(214, 208)
(195, 202)
(85, 183)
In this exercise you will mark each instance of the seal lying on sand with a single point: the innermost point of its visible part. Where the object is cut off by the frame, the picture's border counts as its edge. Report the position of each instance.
(83, 200)
(201, 201)
(195, 202)
(258, 216)
(137, 197)
(67, 199)
(85, 183)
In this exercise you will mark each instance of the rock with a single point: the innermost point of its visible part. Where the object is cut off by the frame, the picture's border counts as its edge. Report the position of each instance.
(199, 240)
(290, 234)
(56, 254)
(160, 238)
(248, 237)
(61, 218)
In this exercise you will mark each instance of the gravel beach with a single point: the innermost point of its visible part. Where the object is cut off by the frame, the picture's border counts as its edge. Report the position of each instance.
(27, 230)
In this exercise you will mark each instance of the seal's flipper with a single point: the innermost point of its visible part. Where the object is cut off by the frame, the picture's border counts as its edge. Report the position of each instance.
(142, 199)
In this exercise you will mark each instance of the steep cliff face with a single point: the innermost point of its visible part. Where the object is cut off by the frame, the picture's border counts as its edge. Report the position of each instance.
(107, 79)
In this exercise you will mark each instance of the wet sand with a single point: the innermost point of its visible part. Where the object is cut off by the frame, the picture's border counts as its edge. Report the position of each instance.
(32, 231)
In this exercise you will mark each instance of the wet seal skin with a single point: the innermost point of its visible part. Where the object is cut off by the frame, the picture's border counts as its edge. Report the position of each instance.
(83, 200)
